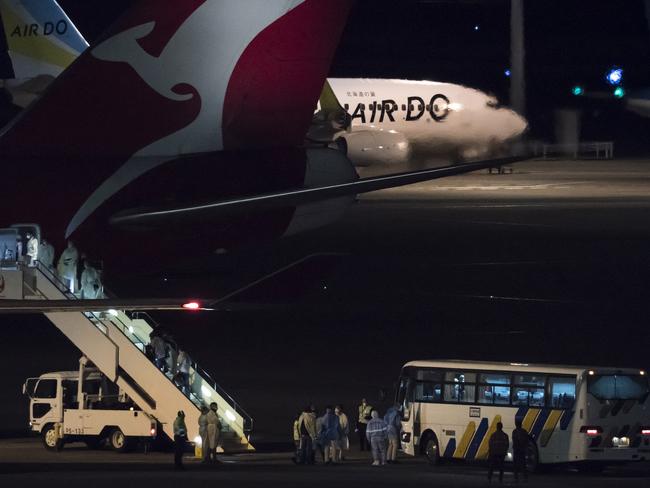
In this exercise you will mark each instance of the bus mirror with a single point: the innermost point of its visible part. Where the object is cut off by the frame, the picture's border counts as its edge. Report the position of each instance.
(24, 389)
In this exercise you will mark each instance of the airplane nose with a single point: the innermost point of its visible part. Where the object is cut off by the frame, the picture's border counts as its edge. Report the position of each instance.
(514, 123)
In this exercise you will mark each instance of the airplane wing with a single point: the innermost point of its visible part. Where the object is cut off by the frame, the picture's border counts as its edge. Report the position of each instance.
(299, 196)
(102, 305)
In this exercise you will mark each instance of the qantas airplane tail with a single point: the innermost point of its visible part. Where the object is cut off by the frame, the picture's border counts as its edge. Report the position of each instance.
(189, 76)
(168, 80)
(38, 40)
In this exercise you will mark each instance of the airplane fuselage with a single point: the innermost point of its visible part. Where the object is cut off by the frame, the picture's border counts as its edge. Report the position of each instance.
(433, 117)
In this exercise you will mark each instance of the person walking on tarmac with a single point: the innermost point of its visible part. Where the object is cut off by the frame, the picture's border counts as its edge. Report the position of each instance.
(180, 439)
(365, 411)
(214, 432)
(307, 428)
(203, 432)
(345, 432)
(498, 448)
(520, 440)
(393, 420)
(331, 436)
(376, 433)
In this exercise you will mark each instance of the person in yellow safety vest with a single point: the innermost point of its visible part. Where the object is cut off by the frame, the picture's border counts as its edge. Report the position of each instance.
(365, 412)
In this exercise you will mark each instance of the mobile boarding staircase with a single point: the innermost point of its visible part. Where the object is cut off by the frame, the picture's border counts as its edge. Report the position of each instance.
(115, 342)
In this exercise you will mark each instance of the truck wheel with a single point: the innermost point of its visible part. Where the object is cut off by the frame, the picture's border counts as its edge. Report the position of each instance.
(118, 441)
(50, 439)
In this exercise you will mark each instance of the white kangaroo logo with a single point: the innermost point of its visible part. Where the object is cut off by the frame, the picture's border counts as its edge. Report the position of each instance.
(124, 48)
(203, 54)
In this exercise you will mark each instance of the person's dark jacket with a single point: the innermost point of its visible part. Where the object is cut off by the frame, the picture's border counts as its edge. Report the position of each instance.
(499, 443)
(520, 439)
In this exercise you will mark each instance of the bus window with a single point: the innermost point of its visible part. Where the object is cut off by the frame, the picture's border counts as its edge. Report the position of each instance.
(527, 396)
(45, 389)
(617, 387)
(460, 387)
(562, 391)
(427, 392)
(494, 389)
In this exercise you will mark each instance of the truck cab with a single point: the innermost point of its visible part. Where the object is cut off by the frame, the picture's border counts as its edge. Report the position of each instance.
(83, 406)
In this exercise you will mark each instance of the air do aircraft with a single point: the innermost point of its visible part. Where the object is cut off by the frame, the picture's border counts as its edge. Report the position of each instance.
(40, 42)
(379, 122)
(154, 143)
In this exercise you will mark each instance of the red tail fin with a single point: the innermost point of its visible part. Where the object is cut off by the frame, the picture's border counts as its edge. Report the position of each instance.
(172, 78)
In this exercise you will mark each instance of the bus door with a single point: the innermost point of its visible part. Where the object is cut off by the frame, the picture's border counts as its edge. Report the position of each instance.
(410, 418)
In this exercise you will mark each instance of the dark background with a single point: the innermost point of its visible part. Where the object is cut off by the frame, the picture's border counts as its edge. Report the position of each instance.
(409, 283)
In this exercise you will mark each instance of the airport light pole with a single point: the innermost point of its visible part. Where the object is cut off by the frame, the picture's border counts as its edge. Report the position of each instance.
(517, 57)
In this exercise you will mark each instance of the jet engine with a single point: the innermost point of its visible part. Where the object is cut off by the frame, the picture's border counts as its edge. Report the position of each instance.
(367, 148)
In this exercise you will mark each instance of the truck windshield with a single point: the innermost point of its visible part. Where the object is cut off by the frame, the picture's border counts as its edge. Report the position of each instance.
(618, 387)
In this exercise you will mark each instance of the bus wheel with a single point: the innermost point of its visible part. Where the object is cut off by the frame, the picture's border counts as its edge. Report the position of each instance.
(432, 450)
(118, 441)
(532, 458)
(50, 440)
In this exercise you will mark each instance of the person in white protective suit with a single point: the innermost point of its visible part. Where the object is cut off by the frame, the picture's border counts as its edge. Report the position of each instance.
(214, 432)
(46, 254)
(91, 284)
(32, 249)
(67, 267)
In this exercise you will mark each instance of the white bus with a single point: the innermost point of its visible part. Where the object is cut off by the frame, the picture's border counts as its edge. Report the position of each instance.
(587, 416)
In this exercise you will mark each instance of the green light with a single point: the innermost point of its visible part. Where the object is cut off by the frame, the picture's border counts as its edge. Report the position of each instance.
(619, 92)
(577, 90)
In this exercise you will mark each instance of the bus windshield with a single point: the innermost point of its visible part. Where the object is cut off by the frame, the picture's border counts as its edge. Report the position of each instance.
(618, 387)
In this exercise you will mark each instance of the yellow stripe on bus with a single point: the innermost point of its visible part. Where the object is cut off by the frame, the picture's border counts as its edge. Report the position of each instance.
(529, 419)
(462, 447)
(483, 449)
(549, 427)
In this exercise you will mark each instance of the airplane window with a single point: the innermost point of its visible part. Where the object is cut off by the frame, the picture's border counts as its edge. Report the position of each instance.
(346, 106)
(403, 108)
(411, 108)
(419, 107)
(395, 108)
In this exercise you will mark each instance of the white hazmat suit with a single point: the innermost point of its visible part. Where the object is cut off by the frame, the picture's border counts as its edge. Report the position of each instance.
(91, 284)
(67, 267)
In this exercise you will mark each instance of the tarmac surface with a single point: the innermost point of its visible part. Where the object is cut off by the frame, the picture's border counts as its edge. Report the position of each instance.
(25, 463)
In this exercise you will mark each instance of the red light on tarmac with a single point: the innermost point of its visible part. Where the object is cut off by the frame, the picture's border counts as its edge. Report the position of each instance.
(191, 306)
